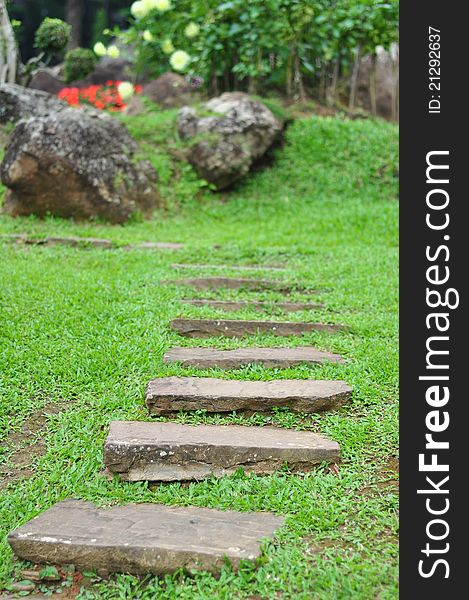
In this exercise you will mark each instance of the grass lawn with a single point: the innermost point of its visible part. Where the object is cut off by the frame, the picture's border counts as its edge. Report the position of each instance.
(83, 330)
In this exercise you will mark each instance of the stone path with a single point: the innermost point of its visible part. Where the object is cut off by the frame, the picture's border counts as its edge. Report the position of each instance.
(150, 538)
(254, 305)
(230, 267)
(167, 395)
(201, 328)
(142, 538)
(141, 451)
(22, 238)
(216, 283)
(282, 358)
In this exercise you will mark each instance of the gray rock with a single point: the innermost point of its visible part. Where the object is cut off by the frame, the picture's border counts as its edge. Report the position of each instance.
(17, 102)
(282, 358)
(237, 328)
(169, 90)
(139, 451)
(155, 246)
(231, 267)
(225, 145)
(142, 538)
(167, 395)
(76, 164)
(215, 283)
(254, 305)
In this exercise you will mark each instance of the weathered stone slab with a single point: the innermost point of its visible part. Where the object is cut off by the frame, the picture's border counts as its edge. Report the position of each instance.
(139, 451)
(77, 241)
(281, 358)
(231, 267)
(142, 538)
(166, 395)
(254, 305)
(216, 283)
(197, 328)
(155, 246)
(22, 238)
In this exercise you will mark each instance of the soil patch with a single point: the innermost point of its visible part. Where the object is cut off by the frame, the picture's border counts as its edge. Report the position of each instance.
(26, 446)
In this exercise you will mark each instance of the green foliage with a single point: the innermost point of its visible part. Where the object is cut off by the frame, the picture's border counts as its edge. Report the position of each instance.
(79, 63)
(52, 36)
(84, 329)
(273, 42)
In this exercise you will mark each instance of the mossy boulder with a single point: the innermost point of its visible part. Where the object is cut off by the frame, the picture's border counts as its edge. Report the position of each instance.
(226, 137)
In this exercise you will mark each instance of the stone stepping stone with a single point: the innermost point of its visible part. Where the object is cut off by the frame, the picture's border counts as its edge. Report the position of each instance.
(167, 395)
(281, 358)
(140, 451)
(21, 238)
(200, 328)
(155, 246)
(254, 305)
(65, 241)
(231, 267)
(142, 538)
(216, 283)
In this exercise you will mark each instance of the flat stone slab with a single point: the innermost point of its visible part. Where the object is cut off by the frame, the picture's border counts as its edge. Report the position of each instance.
(216, 283)
(155, 246)
(139, 451)
(21, 238)
(231, 267)
(142, 538)
(281, 358)
(254, 305)
(199, 328)
(166, 395)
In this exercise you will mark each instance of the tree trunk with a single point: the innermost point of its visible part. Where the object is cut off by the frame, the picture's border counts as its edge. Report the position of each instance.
(8, 48)
(322, 82)
(395, 104)
(373, 85)
(289, 75)
(74, 10)
(332, 91)
(354, 79)
(298, 78)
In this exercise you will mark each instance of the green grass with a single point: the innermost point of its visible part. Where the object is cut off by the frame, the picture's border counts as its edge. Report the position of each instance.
(87, 328)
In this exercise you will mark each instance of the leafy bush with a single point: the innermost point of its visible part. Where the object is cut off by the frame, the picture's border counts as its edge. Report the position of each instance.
(277, 43)
(52, 36)
(79, 63)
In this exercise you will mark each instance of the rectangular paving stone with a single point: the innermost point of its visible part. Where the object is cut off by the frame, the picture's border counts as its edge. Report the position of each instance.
(155, 246)
(254, 305)
(199, 328)
(281, 358)
(216, 283)
(231, 267)
(166, 395)
(142, 538)
(139, 451)
(65, 241)
(77, 241)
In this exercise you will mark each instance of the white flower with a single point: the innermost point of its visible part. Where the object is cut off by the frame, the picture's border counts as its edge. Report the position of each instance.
(192, 30)
(179, 60)
(139, 9)
(148, 36)
(167, 46)
(162, 5)
(113, 52)
(99, 49)
(150, 4)
(126, 90)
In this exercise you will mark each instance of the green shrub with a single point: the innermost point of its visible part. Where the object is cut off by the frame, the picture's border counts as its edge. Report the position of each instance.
(79, 63)
(52, 36)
